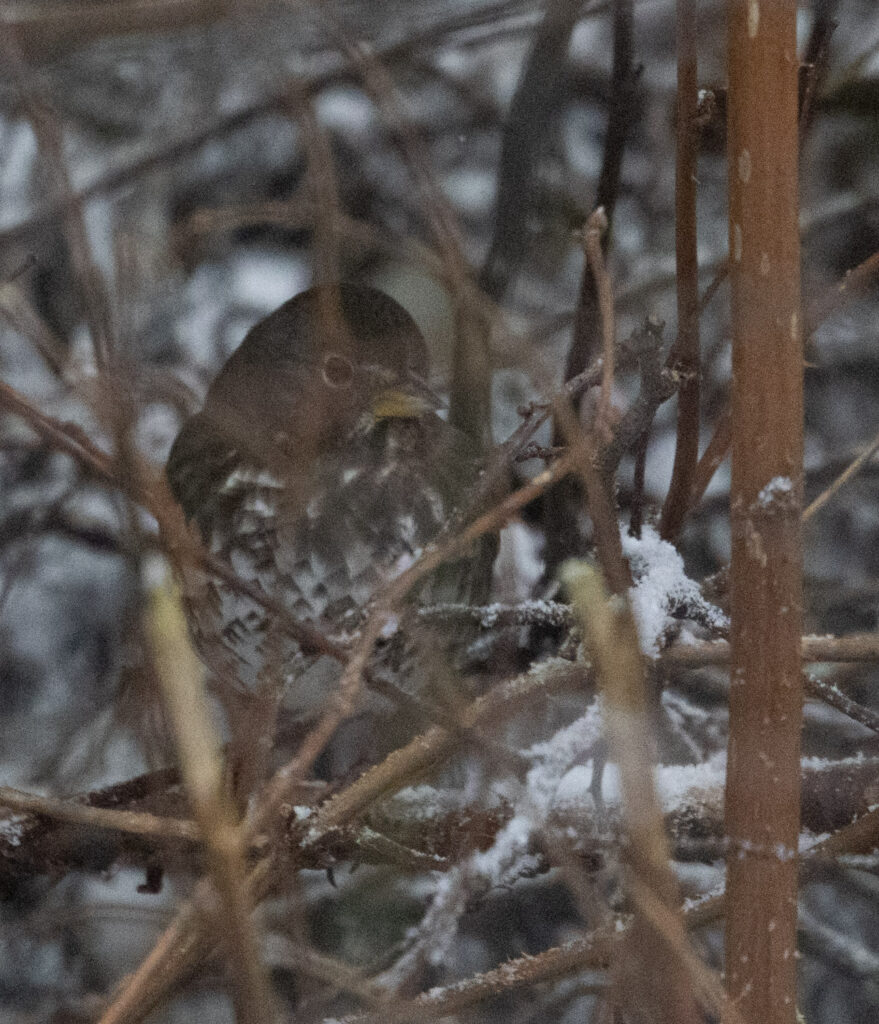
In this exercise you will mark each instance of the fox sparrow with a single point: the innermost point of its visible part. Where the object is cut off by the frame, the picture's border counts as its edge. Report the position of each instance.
(317, 468)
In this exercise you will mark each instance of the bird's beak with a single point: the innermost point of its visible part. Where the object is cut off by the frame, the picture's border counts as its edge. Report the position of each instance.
(406, 401)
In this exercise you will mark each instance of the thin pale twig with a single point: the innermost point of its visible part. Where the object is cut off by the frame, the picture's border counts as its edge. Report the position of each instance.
(853, 648)
(612, 636)
(181, 677)
(851, 471)
(138, 823)
(855, 281)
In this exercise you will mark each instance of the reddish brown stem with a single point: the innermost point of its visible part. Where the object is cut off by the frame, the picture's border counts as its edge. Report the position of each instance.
(763, 778)
(712, 457)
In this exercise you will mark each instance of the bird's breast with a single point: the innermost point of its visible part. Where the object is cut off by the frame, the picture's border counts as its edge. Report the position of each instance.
(322, 545)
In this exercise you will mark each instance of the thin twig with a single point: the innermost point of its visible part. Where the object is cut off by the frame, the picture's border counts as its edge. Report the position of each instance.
(324, 195)
(64, 437)
(713, 456)
(844, 477)
(549, 614)
(50, 139)
(636, 515)
(593, 951)
(593, 234)
(854, 282)
(835, 698)
(713, 287)
(620, 121)
(854, 648)
(181, 676)
(706, 984)
(25, 319)
(525, 129)
(685, 354)
(815, 62)
(138, 823)
(563, 503)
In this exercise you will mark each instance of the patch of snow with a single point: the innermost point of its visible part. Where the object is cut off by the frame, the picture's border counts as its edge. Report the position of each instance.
(572, 791)
(675, 782)
(12, 829)
(570, 746)
(662, 588)
(471, 190)
(423, 803)
(809, 839)
(778, 487)
(505, 854)
(518, 566)
(347, 110)
(267, 281)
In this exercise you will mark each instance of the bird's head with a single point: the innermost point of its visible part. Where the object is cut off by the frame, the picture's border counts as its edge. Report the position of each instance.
(320, 367)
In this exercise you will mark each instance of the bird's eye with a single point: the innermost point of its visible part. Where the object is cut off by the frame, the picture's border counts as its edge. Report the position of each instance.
(337, 371)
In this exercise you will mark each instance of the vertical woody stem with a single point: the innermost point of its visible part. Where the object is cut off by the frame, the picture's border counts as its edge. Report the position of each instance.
(686, 349)
(763, 783)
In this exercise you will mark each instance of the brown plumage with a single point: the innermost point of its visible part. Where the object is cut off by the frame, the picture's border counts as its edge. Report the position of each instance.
(317, 468)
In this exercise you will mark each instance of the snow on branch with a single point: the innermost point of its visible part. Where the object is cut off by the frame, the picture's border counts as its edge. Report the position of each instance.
(663, 594)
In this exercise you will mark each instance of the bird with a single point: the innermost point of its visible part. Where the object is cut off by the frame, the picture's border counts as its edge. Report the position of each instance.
(318, 468)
